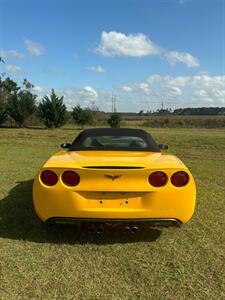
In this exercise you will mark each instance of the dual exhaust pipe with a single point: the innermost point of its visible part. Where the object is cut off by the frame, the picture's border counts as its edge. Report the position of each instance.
(100, 229)
(129, 229)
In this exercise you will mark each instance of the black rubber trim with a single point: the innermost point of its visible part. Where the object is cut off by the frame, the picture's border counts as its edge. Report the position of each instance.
(112, 167)
(151, 222)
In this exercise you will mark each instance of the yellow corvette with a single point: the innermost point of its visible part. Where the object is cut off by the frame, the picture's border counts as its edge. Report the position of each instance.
(113, 175)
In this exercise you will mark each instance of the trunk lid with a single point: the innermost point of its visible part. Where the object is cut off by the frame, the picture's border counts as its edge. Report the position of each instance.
(112, 160)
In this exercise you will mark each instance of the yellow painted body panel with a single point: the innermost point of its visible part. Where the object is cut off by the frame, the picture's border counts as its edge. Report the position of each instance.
(130, 196)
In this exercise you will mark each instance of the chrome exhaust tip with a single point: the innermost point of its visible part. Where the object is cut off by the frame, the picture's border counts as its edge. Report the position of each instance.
(134, 229)
(100, 230)
(126, 229)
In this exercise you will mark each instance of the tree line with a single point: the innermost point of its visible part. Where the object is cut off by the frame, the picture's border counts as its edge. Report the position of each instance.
(200, 111)
(187, 111)
(19, 104)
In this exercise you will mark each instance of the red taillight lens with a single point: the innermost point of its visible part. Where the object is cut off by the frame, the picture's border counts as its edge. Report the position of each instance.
(49, 177)
(70, 178)
(157, 179)
(180, 178)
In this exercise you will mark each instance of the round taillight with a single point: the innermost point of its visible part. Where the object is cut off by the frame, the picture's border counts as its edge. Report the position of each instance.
(157, 179)
(180, 178)
(49, 178)
(70, 178)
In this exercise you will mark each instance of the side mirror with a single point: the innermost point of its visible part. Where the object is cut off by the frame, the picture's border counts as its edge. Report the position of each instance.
(66, 145)
(163, 146)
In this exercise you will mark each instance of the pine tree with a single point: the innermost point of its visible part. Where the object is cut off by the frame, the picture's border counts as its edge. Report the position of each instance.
(53, 111)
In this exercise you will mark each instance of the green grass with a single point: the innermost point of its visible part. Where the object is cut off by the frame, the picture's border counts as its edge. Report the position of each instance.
(60, 263)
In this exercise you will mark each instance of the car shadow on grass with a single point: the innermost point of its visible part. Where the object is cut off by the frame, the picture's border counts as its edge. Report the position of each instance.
(18, 221)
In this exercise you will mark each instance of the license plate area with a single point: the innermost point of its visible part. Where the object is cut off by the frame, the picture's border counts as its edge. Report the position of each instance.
(111, 195)
(113, 199)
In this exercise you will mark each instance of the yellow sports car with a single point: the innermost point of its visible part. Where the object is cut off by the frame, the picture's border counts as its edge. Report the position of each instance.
(113, 175)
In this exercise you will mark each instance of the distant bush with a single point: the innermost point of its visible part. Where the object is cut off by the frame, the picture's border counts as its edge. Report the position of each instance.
(20, 106)
(3, 113)
(7, 87)
(114, 120)
(82, 116)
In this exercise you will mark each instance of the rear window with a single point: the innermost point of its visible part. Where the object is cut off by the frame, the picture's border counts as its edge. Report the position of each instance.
(114, 142)
(126, 139)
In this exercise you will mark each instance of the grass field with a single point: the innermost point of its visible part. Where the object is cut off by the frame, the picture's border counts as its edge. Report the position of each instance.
(172, 263)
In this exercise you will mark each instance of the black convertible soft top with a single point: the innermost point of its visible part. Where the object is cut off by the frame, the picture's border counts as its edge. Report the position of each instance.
(78, 143)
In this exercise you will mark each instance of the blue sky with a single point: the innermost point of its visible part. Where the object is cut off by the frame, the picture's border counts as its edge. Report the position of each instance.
(144, 52)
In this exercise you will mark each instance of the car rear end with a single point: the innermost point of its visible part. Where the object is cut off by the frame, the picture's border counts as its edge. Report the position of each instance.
(112, 193)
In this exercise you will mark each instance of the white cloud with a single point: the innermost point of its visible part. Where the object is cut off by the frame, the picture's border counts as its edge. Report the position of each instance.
(97, 69)
(114, 43)
(11, 54)
(86, 96)
(91, 91)
(179, 81)
(199, 90)
(34, 48)
(118, 44)
(200, 93)
(144, 87)
(69, 92)
(14, 69)
(183, 57)
(38, 89)
(219, 93)
(126, 88)
(175, 91)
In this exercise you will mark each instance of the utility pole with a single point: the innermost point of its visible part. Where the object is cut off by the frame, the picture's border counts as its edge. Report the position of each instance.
(113, 103)
(162, 106)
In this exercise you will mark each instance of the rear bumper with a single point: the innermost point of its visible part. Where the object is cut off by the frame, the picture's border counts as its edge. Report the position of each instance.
(161, 222)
